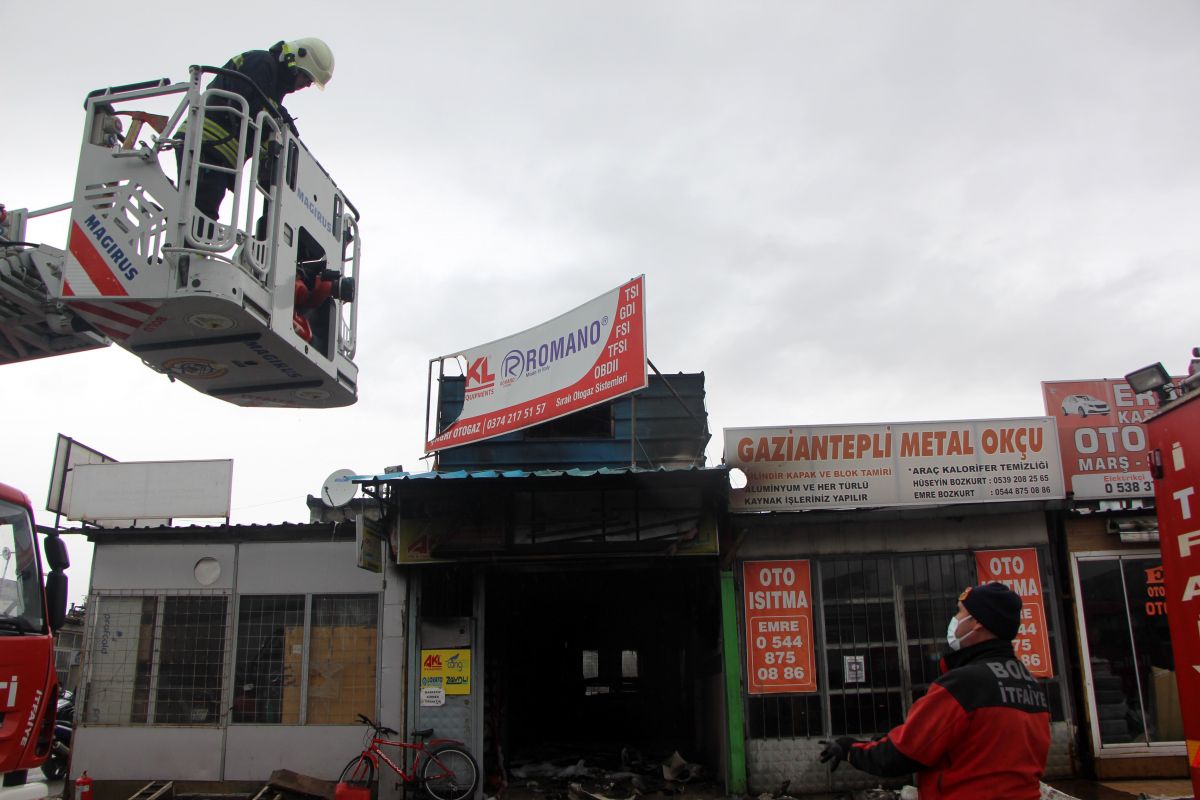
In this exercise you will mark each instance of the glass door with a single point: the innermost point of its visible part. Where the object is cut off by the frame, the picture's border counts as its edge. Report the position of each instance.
(1129, 663)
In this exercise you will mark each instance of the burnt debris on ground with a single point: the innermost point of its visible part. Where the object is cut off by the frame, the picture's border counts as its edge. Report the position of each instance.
(599, 776)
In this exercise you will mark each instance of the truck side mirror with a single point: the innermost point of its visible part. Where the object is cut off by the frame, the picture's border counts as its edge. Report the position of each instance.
(56, 552)
(56, 599)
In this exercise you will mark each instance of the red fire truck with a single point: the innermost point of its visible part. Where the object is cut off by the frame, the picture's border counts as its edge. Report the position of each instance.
(1174, 439)
(31, 610)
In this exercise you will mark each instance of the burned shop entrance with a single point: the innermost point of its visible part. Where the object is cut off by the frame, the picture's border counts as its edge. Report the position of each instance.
(590, 606)
(607, 664)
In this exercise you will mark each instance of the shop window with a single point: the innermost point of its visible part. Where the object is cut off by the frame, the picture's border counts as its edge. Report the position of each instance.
(881, 632)
(191, 660)
(591, 664)
(629, 664)
(157, 660)
(930, 586)
(342, 657)
(600, 671)
(67, 646)
(290, 672)
(162, 660)
(270, 642)
(862, 645)
(1135, 698)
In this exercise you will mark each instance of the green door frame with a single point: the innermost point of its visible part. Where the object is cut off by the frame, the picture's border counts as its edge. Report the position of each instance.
(736, 778)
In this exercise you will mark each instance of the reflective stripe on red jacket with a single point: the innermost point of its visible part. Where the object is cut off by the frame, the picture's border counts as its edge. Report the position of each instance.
(981, 731)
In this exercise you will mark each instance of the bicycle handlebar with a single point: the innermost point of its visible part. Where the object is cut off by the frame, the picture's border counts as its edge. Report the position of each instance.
(379, 729)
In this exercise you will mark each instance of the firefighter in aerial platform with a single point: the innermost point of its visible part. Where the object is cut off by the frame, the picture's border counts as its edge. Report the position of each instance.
(284, 68)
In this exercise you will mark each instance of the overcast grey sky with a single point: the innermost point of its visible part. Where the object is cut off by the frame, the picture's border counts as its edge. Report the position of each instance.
(845, 211)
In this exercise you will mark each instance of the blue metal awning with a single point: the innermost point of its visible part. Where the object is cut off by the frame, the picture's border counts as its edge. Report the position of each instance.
(518, 474)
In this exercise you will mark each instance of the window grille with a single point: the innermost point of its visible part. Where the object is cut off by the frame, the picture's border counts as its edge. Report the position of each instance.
(191, 660)
(67, 645)
(270, 647)
(342, 652)
(164, 659)
(929, 587)
(291, 672)
(880, 633)
(156, 659)
(858, 604)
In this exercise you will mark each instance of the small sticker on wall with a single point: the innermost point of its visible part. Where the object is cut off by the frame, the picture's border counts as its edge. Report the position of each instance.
(297, 649)
(433, 696)
(856, 669)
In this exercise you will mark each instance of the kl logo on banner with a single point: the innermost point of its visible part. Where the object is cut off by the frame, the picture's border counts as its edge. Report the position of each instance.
(478, 375)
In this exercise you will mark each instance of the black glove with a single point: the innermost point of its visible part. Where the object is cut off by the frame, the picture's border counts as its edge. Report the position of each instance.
(836, 751)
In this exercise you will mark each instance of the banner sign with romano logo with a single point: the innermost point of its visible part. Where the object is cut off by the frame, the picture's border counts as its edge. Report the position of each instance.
(1101, 437)
(899, 463)
(779, 627)
(582, 358)
(1018, 570)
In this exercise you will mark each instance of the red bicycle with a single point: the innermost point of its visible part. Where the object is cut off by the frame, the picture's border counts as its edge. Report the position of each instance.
(442, 767)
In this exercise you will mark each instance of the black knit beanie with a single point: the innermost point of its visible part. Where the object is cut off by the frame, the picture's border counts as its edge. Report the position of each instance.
(995, 607)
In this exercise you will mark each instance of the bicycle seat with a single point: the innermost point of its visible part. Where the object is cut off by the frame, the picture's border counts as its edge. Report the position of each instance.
(421, 734)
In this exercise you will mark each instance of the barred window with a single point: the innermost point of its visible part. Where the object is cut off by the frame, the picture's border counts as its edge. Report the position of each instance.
(291, 672)
(270, 649)
(156, 659)
(191, 660)
(342, 658)
(880, 633)
(67, 647)
(859, 607)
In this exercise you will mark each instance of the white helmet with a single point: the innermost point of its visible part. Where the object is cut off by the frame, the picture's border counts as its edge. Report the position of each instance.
(312, 57)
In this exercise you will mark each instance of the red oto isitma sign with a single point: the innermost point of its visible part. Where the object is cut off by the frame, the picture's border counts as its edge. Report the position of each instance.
(779, 627)
(1018, 570)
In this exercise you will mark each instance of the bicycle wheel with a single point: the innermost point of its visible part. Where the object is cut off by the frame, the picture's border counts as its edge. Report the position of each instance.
(359, 772)
(449, 773)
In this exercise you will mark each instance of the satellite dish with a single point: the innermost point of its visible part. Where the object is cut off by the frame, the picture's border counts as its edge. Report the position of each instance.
(337, 489)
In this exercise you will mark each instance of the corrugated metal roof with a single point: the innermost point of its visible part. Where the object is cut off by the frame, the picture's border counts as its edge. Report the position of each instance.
(519, 474)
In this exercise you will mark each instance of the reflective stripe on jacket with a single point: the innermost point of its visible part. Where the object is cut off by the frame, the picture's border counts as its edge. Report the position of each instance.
(274, 78)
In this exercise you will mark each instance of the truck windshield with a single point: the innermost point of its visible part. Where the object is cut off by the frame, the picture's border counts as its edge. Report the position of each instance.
(20, 584)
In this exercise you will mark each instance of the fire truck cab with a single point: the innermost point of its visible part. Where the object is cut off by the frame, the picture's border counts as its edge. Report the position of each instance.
(31, 610)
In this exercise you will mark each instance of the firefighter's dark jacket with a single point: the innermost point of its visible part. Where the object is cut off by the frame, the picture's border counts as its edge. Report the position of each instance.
(981, 731)
(272, 76)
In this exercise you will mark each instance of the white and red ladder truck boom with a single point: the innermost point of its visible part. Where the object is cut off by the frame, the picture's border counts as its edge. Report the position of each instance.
(257, 311)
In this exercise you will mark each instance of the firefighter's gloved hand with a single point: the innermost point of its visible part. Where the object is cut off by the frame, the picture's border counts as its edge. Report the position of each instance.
(837, 751)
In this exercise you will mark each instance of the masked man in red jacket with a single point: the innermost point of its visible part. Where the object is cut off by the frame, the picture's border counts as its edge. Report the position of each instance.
(983, 728)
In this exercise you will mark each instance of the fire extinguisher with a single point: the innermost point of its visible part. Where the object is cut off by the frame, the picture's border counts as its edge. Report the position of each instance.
(83, 787)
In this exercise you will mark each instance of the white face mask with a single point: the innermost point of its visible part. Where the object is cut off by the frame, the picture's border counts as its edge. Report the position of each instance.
(952, 632)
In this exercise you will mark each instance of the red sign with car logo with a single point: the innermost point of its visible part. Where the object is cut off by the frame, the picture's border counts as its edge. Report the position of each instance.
(1101, 438)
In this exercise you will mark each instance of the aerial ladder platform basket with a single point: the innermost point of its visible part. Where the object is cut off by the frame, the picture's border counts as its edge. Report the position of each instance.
(258, 310)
